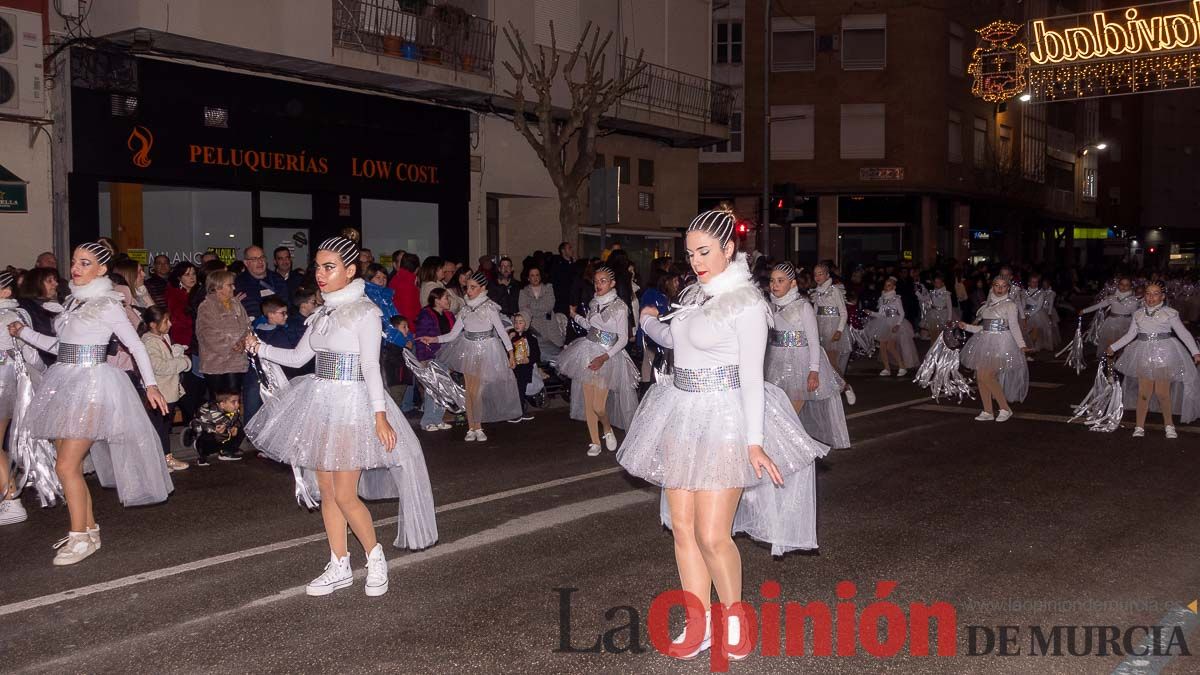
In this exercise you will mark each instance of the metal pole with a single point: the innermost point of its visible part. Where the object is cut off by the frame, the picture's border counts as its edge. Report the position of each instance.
(766, 147)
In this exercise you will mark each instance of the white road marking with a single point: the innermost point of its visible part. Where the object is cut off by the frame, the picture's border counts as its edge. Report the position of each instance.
(1045, 385)
(1042, 417)
(154, 575)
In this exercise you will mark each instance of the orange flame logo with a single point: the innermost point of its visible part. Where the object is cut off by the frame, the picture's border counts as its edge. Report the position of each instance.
(140, 141)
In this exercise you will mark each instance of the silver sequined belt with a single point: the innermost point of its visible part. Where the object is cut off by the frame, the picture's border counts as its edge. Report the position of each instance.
(721, 378)
(994, 325)
(828, 310)
(602, 336)
(338, 366)
(481, 335)
(1146, 337)
(787, 338)
(82, 355)
(889, 312)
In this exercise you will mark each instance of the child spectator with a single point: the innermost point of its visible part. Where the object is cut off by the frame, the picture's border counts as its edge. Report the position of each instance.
(433, 320)
(218, 428)
(168, 361)
(273, 327)
(526, 354)
(391, 358)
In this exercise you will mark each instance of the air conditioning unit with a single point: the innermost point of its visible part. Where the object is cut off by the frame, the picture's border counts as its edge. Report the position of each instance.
(21, 87)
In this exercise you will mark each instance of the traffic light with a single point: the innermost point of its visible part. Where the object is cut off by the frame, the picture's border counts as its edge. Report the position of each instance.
(783, 203)
(742, 229)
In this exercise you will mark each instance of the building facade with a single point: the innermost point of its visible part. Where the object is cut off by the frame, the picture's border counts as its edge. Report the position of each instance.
(181, 127)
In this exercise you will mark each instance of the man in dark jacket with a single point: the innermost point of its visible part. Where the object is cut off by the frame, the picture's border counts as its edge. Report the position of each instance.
(257, 282)
(505, 291)
(562, 276)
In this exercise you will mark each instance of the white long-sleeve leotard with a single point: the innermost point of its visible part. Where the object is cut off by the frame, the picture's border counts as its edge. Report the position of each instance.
(610, 316)
(1003, 308)
(893, 303)
(1119, 304)
(93, 314)
(730, 329)
(9, 312)
(477, 319)
(1165, 320)
(828, 295)
(800, 315)
(348, 323)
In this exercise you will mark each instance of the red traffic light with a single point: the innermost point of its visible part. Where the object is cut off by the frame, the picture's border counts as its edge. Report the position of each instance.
(743, 228)
(1152, 249)
(779, 204)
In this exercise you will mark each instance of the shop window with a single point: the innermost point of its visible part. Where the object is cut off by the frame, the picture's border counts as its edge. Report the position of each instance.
(792, 131)
(389, 225)
(727, 42)
(955, 136)
(862, 134)
(646, 172)
(624, 167)
(864, 42)
(285, 205)
(793, 43)
(182, 222)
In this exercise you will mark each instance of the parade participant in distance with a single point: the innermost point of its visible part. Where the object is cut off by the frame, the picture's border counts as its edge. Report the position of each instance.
(830, 303)
(1119, 308)
(11, 509)
(995, 351)
(894, 333)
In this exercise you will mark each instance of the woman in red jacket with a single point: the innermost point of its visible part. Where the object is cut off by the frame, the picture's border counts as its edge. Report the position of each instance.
(181, 284)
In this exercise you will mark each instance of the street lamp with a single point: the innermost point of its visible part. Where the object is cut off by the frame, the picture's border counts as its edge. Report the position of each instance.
(1025, 98)
(1091, 146)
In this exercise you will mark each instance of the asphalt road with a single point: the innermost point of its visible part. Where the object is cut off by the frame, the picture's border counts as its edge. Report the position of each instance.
(1031, 523)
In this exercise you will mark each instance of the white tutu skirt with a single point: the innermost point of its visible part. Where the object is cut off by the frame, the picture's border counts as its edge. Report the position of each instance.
(936, 319)
(100, 404)
(1055, 330)
(328, 425)
(990, 351)
(1112, 329)
(1162, 360)
(8, 391)
(880, 329)
(696, 441)
(1040, 322)
(499, 398)
(823, 416)
(618, 375)
(826, 327)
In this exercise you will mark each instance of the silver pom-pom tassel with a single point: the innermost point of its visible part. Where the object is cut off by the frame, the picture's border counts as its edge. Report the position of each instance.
(1074, 350)
(940, 373)
(1092, 336)
(1104, 405)
(437, 382)
(861, 345)
(35, 457)
(271, 380)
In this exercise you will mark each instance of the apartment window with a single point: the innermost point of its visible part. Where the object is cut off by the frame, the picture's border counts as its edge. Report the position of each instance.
(863, 130)
(1004, 147)
(1033, 143)
(734, 144)
(728, 44)
(646, 172)
(979, 142)
(955, 131)
(793, 43)
(564, 14)
(1114, 196)
(792, 132)
(624, 167)
(645, 201)
(956, 50)
(864, 42)
(1089, 183)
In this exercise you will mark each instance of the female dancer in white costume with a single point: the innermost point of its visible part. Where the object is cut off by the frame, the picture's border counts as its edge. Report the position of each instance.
(996, 352)
(603, 378)
(941, 309)
(11, 509)
(830, 303)
(1159, 361)
(797, 364)
(889, 326)
(726, 446)
(85, 405)
(341, 422)
(478, 344)
(1037, 319)
(1119, 309)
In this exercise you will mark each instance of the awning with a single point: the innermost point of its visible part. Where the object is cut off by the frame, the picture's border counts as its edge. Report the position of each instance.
(13, 197)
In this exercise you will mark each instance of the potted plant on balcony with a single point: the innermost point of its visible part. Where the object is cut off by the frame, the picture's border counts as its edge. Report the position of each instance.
(453, 24)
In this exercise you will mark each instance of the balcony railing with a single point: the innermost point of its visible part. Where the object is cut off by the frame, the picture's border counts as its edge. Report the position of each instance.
(680, 93)
(410, 29)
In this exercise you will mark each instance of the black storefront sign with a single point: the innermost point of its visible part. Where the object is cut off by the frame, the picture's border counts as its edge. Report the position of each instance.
(280, 136)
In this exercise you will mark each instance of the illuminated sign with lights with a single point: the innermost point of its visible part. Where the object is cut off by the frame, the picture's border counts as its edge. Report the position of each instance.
(1116, 33)
(1130, 50)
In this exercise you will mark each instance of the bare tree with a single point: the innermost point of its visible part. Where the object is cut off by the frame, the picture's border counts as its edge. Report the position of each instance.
(592, 93)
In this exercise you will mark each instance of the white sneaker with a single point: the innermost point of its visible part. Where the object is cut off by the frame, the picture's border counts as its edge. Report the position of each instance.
(593, 450)
(704, 644)
(851, 399)
(72, 548)
(470, 436)
(985, 416)
(899, 373)
(1171, 433)
(12, 511)
(733, 635)
(377, 572)
(1139, 432)
(885, 372)
(432, 427)
(610, 441)
(480, 436)
(1004, 415)
(337, 575)
(443, 426)
(94, 533)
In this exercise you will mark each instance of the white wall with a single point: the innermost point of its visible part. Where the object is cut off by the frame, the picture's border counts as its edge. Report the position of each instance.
(25, 235)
